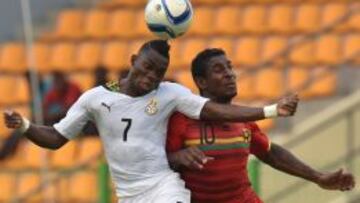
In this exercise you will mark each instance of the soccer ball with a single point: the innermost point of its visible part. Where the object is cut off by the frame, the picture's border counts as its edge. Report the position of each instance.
(168, 18)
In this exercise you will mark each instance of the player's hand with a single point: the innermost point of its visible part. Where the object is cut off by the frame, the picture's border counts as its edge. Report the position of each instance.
(12, 119)
(192, 157)
(338, 180)
(287, 105)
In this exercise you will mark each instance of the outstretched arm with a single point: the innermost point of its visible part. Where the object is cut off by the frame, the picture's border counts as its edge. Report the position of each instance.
(43, 136)
(281, 159)
(222, 112)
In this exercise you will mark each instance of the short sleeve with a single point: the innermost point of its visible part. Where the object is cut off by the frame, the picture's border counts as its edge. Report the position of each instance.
(176, 128)
(75, 119)
(260, 143)
(188, 103)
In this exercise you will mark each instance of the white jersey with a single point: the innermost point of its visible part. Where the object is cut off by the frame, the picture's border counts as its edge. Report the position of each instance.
(133, 130)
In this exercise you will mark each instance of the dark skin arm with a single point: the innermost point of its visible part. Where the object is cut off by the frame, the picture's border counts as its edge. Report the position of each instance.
(233, 113)
(283, 160)
(43, 136)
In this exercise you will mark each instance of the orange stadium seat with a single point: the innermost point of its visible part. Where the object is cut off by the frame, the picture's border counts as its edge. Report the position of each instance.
(205, 2)
(83, 187)
(114, 55)
(41, 54)
(281, 19)
(352, 48)
(191, 48)
(63, 57)
(307, 18)
(266, 124)
(88, 56)
(28, 182)
(65, 156)
(8, 184)
(175, 55)
(227, 19)
(141, 28)
(134, 47)
(185, 78)
(325, 82)
(303, 53)
(122, 23)
(354, 20)
(34, 156)
(85, 80)
(225, 43)
(273, 47)
(70, 24)
(90, 149)
(298, 80)
(269, 83)
(14, 90)
(247, 51)
(328, 49)
(245, 86)
(203, 21)
(333, 12)
(96, 24)
(253, 19)
(13, 58)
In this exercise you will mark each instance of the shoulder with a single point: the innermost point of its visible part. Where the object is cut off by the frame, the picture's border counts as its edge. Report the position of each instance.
(173, 87)
(93, 92)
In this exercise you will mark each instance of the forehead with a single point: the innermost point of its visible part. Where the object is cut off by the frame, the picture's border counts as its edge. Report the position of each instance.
(217, 60)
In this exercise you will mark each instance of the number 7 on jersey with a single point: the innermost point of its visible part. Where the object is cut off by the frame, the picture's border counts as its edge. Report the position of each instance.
(127, 128)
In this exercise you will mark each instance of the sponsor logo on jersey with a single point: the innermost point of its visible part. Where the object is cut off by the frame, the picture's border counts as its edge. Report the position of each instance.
(108, 107)
(151, 108)
(246, 135)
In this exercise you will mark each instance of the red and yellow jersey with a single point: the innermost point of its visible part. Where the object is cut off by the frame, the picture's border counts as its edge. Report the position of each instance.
(225, 179)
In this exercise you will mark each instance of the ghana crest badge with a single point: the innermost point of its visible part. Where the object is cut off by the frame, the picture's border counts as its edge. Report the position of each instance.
(247, 135)
(152, 108)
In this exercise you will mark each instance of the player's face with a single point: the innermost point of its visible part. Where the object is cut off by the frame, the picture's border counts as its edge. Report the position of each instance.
(148, 71)
(220, 78)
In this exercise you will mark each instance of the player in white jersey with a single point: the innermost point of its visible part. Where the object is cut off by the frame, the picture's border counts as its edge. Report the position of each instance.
(132, 115)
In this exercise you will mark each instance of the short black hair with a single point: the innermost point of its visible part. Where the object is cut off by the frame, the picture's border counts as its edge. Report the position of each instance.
(199, 63)
(160, 46)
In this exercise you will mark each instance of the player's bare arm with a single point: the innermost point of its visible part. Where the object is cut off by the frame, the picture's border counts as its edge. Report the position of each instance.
(191, 157)
(286, 106)
(43, 136)
(285, 161)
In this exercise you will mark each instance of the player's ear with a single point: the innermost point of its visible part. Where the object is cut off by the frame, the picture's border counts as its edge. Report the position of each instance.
(133, 59)
(200, 83)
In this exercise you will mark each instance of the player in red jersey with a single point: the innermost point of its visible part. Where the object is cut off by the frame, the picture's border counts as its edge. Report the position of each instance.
(212, 156)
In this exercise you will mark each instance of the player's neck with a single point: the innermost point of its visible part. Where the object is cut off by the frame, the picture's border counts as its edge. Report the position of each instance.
(127, 88)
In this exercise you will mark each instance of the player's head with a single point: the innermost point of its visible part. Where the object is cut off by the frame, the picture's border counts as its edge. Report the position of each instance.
(149, 66)
(60, 82)
(213, 75)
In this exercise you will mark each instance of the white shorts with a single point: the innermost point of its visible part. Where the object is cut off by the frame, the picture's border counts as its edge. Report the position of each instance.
(170, 190)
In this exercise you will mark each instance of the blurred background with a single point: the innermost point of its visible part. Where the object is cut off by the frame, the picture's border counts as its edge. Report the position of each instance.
(51, 51)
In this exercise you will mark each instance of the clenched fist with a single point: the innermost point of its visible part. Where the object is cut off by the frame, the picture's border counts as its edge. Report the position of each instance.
(287, 105)
(13, 119)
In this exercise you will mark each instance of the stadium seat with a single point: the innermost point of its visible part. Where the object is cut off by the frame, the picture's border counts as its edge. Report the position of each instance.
(253, 19)
(16, 161)
(13, 58)
(225, 43)
(245, 85)
(297, 81)
(141, 28)
(303, 53)
(281, 19)
(325, 82)
(85, 80)
(114, 55)
(28, 182)
(64, 157)
(41, 54)
(227, 20)
(83, 187)
(190, 48)
(185, 78)
(90, 149)
(113, 4)
(134, 47)
(8, 185)
(70, 24)
(273, 47)
(247, 51)
(63, 57)
(34, 156)
(203, 21)
(269, 83)
(354, 20)
(352, 48)
(205, 2)
(88, 56)
(333, 12)
(175, 55)
(328, 49)
(96, 24)
(14, 90)
(266, 124)
(307, 18)
(122, 23)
